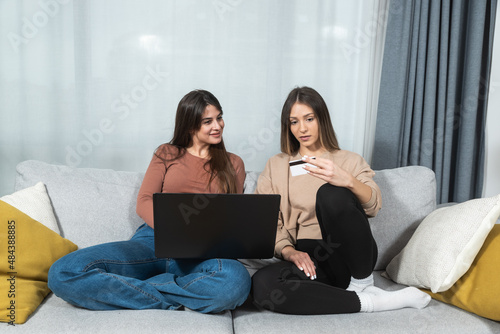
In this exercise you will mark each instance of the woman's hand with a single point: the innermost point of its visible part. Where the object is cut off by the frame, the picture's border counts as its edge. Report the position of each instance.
(329, 171)
(332, 173)
(301, 260)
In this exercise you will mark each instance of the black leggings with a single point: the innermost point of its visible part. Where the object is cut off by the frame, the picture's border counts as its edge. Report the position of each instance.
(347, 249)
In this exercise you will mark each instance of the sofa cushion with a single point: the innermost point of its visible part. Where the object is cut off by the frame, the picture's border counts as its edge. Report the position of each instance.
(57, 316)
(437, 317)
(30, 244)
(250, 182)
(92, 206)
(478, 291)
(445, 244)
(408, 196)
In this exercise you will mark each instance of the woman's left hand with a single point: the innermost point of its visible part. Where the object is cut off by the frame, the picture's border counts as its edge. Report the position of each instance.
(329, 171)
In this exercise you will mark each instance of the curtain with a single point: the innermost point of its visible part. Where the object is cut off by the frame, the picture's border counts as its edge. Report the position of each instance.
(434, 89)
(94, 83)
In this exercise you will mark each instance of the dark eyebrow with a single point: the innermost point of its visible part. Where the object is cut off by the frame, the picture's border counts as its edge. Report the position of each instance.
(310, 114)
(207, 118)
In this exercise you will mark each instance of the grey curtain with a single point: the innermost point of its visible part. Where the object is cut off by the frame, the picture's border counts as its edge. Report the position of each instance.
(434, 88)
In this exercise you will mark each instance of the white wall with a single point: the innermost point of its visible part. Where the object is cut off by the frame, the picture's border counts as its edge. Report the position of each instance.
(492, 166)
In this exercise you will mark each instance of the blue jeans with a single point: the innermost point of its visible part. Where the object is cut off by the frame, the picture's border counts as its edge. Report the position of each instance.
(126, 274)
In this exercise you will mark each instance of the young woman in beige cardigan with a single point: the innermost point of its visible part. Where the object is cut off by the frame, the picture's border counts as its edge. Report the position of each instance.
(323, 233)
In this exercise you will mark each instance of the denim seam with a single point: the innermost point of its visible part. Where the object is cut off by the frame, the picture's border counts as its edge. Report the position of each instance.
(212, 273)
(199, 278)
(130, 285)
(93, 263)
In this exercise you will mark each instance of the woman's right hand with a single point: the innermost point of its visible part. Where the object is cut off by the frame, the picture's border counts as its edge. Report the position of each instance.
(301, 259)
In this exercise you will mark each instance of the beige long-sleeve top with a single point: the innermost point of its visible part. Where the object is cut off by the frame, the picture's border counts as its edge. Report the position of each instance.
(187, 174)
(297, 217)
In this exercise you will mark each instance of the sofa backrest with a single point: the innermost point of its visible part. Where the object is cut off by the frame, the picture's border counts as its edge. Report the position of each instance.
(408, 196)
(94, 206)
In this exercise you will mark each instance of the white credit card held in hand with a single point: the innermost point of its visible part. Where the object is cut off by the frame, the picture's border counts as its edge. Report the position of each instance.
(297, 167)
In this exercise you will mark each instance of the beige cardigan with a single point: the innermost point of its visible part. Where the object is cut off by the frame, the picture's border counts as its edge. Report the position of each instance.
(297, 217)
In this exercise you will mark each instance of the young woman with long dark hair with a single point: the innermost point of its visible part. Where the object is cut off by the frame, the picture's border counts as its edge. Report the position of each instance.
(127, 274)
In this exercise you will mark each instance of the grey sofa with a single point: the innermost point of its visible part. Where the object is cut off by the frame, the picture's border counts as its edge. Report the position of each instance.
(96, 205)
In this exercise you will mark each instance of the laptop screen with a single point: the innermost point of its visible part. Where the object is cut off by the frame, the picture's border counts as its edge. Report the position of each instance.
(215, 225)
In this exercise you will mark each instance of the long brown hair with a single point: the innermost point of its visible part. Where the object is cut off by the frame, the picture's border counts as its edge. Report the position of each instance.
(311, 98)
(187, 120)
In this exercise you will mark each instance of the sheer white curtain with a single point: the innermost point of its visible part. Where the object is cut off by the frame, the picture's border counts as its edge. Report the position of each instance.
(95, 83)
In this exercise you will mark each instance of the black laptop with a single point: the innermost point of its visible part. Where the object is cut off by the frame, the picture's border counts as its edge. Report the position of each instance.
(202, 226)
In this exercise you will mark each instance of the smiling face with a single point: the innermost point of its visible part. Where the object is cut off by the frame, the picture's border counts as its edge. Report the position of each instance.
(210, 131)
(304, 127)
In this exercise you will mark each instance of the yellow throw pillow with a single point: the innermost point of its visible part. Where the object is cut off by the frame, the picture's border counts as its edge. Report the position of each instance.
(29, 244)
(478, 290)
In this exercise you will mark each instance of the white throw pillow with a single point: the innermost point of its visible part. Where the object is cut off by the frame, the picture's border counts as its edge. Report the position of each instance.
(445, 244)
(34, 202)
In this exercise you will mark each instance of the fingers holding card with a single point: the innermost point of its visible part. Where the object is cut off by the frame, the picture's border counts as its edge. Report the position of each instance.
(297, 167)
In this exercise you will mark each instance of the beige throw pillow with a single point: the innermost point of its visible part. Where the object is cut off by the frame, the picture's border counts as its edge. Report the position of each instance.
(445, 244)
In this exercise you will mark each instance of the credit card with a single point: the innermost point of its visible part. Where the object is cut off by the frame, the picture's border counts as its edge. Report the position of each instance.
(297, 167)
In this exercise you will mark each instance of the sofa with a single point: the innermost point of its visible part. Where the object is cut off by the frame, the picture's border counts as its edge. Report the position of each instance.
(93, 206)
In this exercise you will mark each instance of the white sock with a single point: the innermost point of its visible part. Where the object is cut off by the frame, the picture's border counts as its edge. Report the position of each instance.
(358, 285)
(374, 299)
